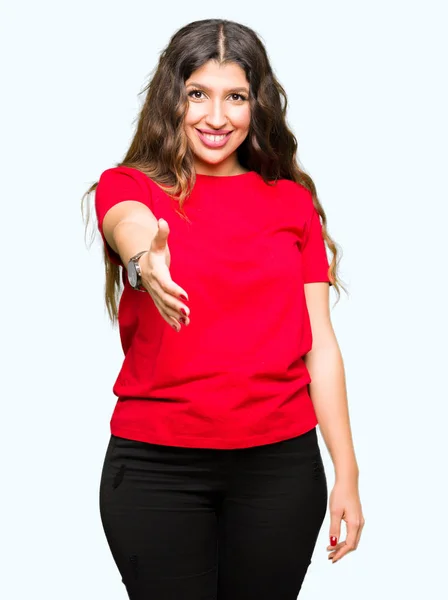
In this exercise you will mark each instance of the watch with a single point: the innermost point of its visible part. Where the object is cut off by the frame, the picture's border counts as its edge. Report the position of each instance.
(134, 272)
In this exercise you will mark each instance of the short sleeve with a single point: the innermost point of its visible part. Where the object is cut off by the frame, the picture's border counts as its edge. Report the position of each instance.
(117, 185)
(315, 263)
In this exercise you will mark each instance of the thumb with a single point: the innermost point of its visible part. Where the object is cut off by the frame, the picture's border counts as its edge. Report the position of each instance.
(160, 239)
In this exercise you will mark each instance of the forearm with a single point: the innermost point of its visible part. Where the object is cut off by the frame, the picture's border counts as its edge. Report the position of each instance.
(130, 238)
(329, 397)
(129, 227)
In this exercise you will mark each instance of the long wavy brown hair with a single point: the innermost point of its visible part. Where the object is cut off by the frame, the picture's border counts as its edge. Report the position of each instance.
(160, 146)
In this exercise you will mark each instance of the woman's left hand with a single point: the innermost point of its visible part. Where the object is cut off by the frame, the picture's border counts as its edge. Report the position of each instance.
(345, 505)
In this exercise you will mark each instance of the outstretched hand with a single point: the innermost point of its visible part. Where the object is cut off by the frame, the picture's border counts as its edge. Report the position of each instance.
(156, 279)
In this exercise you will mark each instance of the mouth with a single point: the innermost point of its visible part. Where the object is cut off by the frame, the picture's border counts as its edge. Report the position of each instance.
(213, 141)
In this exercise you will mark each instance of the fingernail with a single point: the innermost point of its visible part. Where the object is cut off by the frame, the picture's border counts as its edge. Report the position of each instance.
(183, 311)
(333, 540)
(175, 328)
(182, 297)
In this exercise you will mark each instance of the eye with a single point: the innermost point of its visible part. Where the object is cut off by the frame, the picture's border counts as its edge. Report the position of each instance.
(194, 92)
(236, 97)
(240, 96)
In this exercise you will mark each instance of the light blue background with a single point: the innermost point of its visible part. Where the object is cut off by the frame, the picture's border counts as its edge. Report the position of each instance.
(367, 89)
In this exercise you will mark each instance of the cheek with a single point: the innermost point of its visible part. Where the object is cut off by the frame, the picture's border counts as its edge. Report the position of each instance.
(193, 114)
(241, 119)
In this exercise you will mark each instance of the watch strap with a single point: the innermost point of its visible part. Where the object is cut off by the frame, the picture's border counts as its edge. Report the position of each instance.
(137, 256)
(135, 260)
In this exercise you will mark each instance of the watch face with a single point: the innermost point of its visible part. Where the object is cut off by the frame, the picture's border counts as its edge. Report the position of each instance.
(132, 274)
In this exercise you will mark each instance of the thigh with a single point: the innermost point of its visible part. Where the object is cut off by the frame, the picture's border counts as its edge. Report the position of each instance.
(156, 506)
(270, 520)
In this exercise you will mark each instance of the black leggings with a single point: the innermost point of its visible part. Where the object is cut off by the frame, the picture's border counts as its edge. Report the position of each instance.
(213, 524)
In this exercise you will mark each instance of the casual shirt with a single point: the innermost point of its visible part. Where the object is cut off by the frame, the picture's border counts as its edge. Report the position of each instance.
(235, 376)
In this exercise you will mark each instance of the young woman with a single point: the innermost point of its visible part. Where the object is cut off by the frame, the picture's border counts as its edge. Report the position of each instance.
(213, 485)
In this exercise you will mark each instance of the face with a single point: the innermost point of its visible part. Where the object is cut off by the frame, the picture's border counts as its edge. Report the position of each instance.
(218, 116)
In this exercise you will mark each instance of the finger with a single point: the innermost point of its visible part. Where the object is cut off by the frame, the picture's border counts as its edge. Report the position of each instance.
(160, 283)
(175, 305)
(167, 312)
(334, 548)
(335, 527)
(350, 542)
(175, 314)
(175, 324)
(161, 273)
(173, 290)
(342, 552)
(170, 319)
(170, 293)
(352, 534)
(358, 537)
(337, 548)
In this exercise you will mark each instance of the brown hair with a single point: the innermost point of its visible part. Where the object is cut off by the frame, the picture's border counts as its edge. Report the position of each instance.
(160, 146)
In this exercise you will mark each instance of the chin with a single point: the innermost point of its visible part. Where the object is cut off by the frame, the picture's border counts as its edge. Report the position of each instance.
(212, 160)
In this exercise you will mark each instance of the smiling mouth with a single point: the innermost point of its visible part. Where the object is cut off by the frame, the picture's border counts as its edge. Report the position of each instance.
(219, 135)
(213, 140)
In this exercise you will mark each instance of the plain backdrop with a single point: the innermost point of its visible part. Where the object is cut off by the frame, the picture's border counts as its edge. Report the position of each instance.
(367, 90)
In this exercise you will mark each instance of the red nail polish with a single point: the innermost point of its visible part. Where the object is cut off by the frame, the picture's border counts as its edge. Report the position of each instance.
(184, 298)
(183, 311)
(333, 540)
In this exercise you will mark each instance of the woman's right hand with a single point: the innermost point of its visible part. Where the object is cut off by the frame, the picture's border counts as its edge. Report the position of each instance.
(156, 278)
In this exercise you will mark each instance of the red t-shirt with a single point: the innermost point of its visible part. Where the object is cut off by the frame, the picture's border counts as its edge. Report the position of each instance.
(235, 376)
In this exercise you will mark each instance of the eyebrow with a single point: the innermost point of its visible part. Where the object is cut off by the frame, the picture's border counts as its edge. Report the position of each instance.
(207, 89)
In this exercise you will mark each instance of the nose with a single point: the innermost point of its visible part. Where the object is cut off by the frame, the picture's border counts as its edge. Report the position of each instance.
(216, 117)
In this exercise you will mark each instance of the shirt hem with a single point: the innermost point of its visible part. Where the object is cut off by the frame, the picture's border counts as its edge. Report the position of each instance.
(213, 443)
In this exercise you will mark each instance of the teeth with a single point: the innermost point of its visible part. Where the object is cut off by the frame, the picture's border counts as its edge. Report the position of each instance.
(214, 138)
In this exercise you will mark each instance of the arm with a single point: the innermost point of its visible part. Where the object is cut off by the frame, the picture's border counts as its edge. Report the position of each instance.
(129, 227)
(123, 204)
(328, 387)
(329, 397)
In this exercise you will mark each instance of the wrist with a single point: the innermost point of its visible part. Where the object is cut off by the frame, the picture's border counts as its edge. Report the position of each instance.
(134, 271)
(347, 475)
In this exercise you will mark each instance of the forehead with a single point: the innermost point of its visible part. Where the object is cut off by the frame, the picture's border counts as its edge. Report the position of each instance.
(218, 76)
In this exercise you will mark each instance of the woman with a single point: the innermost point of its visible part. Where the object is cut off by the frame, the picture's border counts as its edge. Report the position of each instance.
(213, 484)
